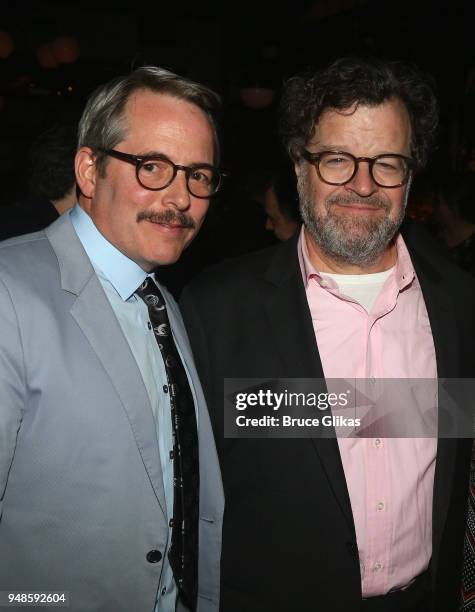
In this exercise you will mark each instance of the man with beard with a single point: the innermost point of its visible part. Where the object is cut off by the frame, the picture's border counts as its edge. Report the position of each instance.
(109, 477)
(366, 523)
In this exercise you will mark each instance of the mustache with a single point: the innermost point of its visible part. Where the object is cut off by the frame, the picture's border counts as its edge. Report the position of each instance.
(171, 217)
(372, 200)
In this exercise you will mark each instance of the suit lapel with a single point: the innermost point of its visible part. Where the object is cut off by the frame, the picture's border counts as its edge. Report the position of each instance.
(94, 315)
(289, 317)
(442, 319)
(292, 329)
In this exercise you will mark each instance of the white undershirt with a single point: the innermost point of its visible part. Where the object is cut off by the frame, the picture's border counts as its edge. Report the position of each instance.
(363, 288)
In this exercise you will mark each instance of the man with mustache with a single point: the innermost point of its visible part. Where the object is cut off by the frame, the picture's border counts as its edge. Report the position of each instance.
(367, 523)
(109, 478)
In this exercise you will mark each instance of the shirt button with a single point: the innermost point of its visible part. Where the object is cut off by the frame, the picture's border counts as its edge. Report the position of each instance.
(164, 590)
(172, 455)
(377, 442)
(377, 567)
(170, 523)
(154, 556)
(323, 283)
(380, 506)
(149, 325)
(165, 388)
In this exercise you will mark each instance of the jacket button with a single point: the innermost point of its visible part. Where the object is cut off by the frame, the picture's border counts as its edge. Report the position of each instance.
(154, 556)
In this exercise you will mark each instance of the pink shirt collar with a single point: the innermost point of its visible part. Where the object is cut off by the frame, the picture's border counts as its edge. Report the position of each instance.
(404, 271)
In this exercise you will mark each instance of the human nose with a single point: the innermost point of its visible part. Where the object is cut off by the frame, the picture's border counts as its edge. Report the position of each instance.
(177, 194)
(362, 183)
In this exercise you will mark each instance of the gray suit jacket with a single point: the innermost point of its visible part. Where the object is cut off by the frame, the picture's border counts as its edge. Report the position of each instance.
(81, 492)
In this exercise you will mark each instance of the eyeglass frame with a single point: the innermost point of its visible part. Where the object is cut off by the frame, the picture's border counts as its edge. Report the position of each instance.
(139, 160)
(314, 159)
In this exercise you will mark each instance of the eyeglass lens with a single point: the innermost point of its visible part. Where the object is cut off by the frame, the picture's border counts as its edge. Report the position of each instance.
(158, 173)
(387, 170)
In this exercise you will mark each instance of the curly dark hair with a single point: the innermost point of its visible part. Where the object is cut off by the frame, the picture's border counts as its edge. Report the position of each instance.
(368, 81)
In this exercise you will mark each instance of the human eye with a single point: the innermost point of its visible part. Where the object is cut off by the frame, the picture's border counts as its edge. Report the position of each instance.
(155, 167)
(202, 175)
(335, 160)
(389, 164)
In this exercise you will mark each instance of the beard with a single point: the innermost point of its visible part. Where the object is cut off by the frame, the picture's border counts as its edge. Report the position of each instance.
(356, 239)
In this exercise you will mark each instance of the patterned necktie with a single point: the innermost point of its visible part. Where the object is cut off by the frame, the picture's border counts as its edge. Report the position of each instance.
(183, 553)
(468, 569)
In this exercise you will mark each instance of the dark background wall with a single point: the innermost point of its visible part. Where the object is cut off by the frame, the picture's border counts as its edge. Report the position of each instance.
(227, 45)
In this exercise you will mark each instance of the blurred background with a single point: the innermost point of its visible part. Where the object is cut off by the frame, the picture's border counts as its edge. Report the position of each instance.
(54, 53)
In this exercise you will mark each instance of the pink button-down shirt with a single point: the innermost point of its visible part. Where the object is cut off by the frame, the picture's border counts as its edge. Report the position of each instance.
(390, 480)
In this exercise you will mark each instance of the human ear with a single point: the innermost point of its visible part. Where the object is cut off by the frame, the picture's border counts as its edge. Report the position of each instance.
(86, 171)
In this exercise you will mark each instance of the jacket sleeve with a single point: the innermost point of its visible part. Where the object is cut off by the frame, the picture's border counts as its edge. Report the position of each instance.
(12, 386)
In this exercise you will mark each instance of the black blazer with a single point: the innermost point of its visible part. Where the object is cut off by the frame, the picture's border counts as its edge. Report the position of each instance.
(289, 540)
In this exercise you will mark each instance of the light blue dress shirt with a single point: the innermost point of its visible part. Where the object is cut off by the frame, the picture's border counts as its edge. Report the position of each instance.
(120, 277)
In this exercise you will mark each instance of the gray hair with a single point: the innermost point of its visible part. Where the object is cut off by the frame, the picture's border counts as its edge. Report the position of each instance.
(103, 125)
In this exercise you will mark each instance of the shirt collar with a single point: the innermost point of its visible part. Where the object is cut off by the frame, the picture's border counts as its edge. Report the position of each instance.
(123, 273)
(307, 269)
(404, 272)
